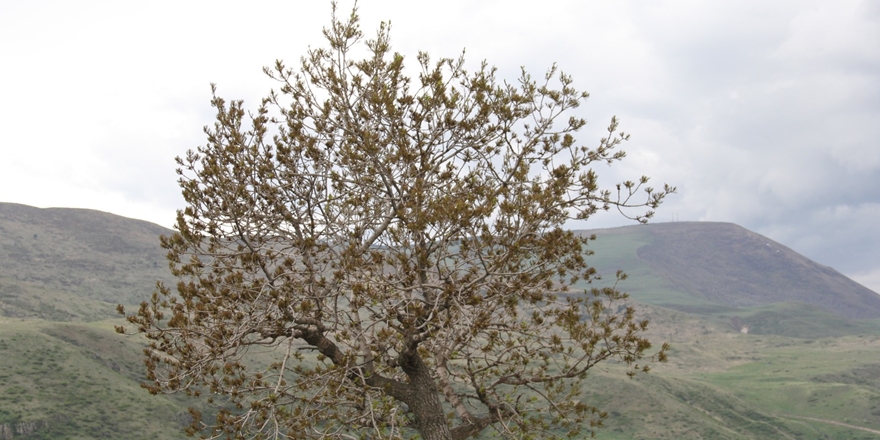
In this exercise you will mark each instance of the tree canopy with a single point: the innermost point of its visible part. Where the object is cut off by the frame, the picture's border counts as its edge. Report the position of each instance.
(370, 255)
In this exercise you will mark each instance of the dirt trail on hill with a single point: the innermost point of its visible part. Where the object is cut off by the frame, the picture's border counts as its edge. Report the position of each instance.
(832, 422)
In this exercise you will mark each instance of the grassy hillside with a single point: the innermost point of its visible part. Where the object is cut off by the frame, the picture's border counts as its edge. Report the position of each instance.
(88, 254)
(764, 344)
(78, 381)
(720, 383)
(25, 300)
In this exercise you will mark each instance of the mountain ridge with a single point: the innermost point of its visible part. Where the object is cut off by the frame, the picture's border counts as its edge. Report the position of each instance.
(726, 264)
(108, 258)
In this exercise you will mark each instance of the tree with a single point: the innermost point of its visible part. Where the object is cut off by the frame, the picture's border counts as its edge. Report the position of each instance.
(369, 256)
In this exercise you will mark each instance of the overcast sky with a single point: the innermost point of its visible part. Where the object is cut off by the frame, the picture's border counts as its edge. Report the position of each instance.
(764, 114)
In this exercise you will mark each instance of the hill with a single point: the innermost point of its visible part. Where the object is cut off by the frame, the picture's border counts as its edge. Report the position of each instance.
(766, 343)
(78, 381)
(703, 266)
(75, 264)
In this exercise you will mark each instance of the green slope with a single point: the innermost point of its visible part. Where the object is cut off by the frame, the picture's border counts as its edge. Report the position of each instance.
(78, 381)
(617, 249)
(720, 383)
(87, 254)
(25, 300)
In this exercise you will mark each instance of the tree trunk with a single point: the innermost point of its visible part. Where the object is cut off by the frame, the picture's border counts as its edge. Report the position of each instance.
(424, 399)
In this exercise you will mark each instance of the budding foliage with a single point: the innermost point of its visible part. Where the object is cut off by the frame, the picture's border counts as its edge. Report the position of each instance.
(370, 254)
